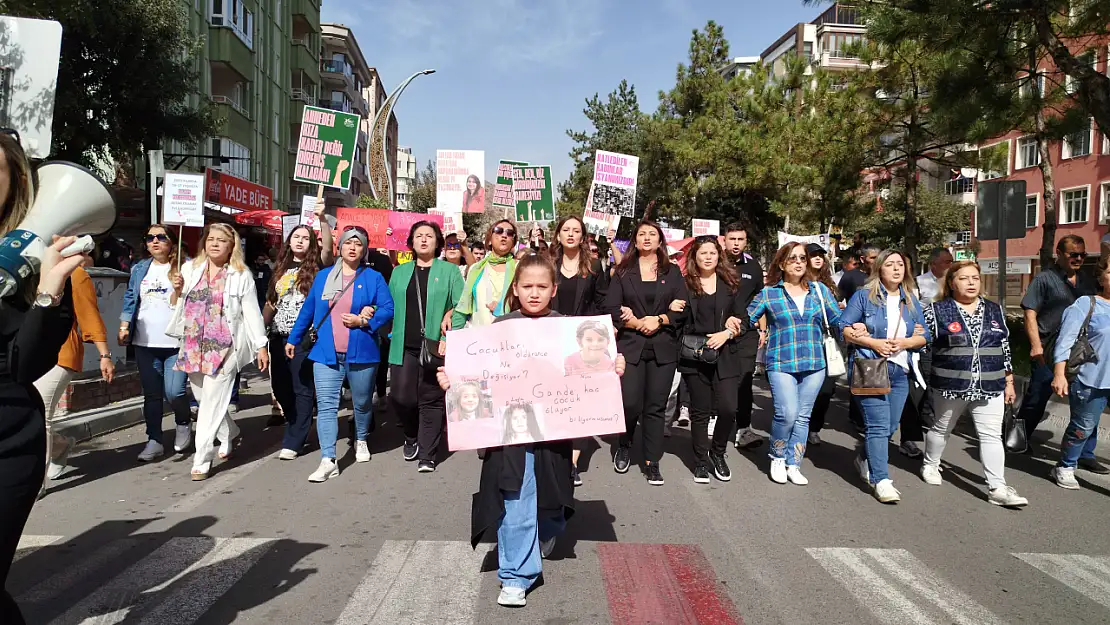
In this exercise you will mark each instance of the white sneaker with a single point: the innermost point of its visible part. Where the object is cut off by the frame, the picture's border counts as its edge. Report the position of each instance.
(863, 469)
(362, 452)
(683, 419)
(778, 470)
(287, 454)
(1065, 478)
(712, 424)
(1007, 497)
(183, 436)
(794, 474)
(233, 408)
(886, 493)
(55, 467)
(814, 438)
(327, 470)
(511, 597)
(152, 451)
(931, 474)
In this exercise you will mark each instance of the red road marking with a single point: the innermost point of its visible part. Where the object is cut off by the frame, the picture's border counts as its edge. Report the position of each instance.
(664, 585)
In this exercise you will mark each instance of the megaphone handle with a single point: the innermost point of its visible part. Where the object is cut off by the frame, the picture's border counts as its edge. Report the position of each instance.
(83, 245)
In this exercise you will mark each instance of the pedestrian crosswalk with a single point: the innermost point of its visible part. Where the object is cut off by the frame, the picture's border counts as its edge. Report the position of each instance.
(150, 579)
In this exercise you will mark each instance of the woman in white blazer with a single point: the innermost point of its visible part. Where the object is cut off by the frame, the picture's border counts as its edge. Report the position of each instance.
(218, 321)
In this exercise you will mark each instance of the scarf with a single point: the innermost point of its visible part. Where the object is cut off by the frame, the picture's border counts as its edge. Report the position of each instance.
(474, 276)
(334, 282)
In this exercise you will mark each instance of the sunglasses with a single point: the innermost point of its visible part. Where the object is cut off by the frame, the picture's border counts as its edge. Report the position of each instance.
(454, 246)
(794, 258)
(499, 230)
(1077, 255)
(358, 229)
(151, 238)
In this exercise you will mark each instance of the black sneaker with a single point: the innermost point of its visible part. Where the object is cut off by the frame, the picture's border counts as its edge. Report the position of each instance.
(701, 474)
(654, 476)
(720, 467)
(546, 547)
(410, 450)
(575, 477)
(1094, 466)
(622, 459)
(426, 466)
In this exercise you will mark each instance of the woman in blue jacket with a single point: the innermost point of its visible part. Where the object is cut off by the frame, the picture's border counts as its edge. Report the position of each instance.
(346, 346)
(887, 322)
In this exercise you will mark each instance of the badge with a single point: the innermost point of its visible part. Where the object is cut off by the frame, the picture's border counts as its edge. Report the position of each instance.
(954, 327)
(994, 324)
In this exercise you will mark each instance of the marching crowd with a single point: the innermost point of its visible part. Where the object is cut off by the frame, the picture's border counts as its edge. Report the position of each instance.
(691, 327)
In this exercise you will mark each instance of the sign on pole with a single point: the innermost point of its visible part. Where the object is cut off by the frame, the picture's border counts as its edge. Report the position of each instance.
(503, 199)
(702, 227)
(460, 181)
(452, 220)
(183, 200)
(614, 184)
(1000, 215)
(326, 150)
(288, 223)
(535, 197)
(29, 50)
(308, 212)
(599, 224)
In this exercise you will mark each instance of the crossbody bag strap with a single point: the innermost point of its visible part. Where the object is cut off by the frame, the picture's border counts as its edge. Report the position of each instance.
(420, 299)
(824, 316)
(338, 297)
(1087, 321)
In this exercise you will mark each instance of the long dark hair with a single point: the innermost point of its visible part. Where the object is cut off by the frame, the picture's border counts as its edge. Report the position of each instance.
(310, 266)
(533, 423)
(585, 262)
(530, 260)
(824, 275)
(440, 241)
(724, 270)
(467, 195)
(632, 258)
(774, 272)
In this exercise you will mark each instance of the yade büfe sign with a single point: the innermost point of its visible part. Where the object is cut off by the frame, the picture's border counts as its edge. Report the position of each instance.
(531, 380)
(326, 147)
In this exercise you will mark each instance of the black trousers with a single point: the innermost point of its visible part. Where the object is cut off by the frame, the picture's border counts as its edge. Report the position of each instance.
(645, 387)
(383, 372)
(295, 391)
(418, 404)
(21, 476)
(710, 395)
(744, 400)
(821, 405)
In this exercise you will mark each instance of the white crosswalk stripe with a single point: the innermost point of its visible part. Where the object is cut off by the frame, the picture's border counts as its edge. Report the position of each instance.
(899, 588)
(30, 544)
(1087, 575)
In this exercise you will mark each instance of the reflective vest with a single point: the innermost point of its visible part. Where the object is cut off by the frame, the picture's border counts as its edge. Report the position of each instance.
(953, 352)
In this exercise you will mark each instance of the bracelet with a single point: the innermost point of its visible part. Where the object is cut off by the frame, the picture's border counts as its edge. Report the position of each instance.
(105, 356)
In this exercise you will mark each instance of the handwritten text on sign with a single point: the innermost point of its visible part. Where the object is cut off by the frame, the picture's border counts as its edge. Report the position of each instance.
(530, 380)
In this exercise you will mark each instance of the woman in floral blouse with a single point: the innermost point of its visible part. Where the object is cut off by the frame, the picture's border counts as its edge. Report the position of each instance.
(219, 323)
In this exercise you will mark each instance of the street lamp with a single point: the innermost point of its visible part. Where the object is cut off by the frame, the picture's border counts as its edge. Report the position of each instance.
(381, 183)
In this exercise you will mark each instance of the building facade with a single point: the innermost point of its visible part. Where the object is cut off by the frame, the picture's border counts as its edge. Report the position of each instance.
(406, 176)
(825, 42)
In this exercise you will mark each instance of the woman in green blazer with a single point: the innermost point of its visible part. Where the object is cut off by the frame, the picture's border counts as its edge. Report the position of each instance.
(425, 293)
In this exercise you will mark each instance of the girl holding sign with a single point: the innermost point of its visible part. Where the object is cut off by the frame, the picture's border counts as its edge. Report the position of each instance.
(526, 491)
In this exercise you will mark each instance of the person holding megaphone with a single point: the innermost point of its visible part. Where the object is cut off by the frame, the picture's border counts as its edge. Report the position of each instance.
(35, 321)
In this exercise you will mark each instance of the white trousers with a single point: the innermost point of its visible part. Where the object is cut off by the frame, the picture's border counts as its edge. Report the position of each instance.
(213, 395)
(988, 425)
(51, 387)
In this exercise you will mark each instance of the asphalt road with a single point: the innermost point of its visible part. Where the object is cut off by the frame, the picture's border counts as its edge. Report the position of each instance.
(116, 541)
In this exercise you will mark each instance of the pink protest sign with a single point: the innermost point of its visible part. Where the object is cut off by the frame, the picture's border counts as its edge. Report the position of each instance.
(531, 380)
(401, 223)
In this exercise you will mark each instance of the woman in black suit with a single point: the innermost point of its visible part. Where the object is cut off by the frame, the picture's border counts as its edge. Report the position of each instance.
(714, 313)
(646, 297)
(581, 289)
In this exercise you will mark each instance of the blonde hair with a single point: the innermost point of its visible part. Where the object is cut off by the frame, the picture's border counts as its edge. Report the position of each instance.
(237, 261)
(875, 282)
(946, 289)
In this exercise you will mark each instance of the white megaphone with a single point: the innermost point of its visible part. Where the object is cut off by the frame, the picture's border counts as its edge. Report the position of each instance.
(69, 200)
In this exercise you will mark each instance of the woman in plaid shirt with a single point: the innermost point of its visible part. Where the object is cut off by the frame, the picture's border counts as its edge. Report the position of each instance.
(795, 353)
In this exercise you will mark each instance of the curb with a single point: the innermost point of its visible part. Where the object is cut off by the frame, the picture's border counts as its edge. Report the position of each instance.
(92, 423)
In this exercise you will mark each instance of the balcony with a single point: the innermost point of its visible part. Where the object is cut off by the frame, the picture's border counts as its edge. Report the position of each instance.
(335, 105)
(309, 11)
(224, 46)
(305, 63)
(235, 122)
(962, 189)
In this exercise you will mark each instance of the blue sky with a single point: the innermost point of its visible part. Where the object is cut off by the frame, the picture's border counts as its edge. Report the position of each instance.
(513, 75)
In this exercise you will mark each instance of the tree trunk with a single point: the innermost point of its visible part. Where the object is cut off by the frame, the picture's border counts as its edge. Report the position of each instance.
(910, 216)
(1048, 232)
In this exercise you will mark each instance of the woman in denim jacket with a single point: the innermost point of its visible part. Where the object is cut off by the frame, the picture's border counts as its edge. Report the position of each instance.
(884, 320)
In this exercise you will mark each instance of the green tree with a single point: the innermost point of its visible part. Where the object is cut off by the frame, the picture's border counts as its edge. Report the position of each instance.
(369, 201)
(936, 215)
(125, 73)
(422, 191)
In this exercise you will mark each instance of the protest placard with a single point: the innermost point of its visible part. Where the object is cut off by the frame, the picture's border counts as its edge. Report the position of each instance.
(183, 200)
(400, 223)
(373, 220)
(534, 195)
(599, 224)
(308, 212)
(614, 184)
(452, 220)
(404, 257)
(673, 234)
(288, 223)
(503, 199)
(701, 227)
(326, 149)
(460, 182)
(819, 239)
(532, 380)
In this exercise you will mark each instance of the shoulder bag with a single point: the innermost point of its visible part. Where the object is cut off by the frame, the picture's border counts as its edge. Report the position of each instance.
(834, 358)
(870, 376)
(313, 333)
(1081, 351)
(430, 357)
(694, 348)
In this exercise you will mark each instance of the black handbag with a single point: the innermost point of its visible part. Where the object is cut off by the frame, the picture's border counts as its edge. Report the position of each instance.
(1014, 435)
(429, 348)
(313, 333)
(1081, 350)
(694, 349)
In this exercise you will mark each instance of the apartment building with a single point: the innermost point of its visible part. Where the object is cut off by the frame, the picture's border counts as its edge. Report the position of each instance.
(824, 42)
(738, 66)
(406, 176)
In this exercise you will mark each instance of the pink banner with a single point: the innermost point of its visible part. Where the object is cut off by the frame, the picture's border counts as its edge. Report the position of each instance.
(530, 380)
(401, 223)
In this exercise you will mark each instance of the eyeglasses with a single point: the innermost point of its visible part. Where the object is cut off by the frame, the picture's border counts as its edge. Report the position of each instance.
(1077, 255)
(794, 258)
(499, 230)
(150, 238)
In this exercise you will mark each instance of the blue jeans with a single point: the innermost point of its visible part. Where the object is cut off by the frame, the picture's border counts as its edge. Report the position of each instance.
(520, 531)
(329, 385)
(1087, 405)
(160, 380)
(881, 416)
(1037, 394)
(793, 395)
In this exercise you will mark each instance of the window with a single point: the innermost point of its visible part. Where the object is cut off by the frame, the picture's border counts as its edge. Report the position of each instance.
(1031, 204)
(1104, 204)
(1088, 58)
(962, 237)
(1074, 203)
(1028, 154)
(1078, 144)
(216, 17)
(232, 14)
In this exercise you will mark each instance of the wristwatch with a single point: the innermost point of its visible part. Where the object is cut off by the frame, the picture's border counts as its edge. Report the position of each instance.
(46, 300)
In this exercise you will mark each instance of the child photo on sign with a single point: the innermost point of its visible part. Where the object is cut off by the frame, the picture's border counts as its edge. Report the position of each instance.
(469, 401)
(593, 353)
(520, 423)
